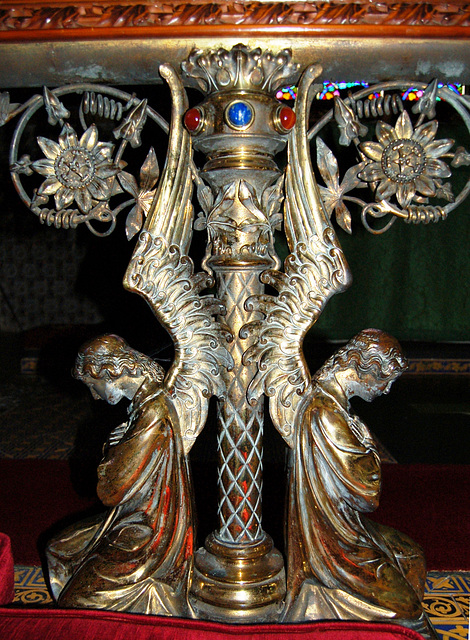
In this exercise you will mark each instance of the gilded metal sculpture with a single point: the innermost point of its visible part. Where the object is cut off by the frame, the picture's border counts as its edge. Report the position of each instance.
(341, 565)
(404, 164)
(242, 344)
(137, 557)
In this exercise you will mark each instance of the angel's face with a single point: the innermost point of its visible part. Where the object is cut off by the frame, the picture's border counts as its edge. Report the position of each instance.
(368, 386)
(107, 389)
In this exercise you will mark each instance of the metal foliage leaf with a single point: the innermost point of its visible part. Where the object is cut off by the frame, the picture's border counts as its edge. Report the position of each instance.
(23, 165)
(332, 195)
(131, 127)
(427, 103)
(205, 197)
(444, 190)
(5, 107)
(37, 201)
(134, 221)
(142, 193)
(272, 200)
(149, 171)
(206, 200)
(461, 157)
(349, 126)
(128, 183)
(55, 109)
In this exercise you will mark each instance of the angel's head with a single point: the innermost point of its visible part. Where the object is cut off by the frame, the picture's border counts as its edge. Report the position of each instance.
(112, 369)
(367, 365)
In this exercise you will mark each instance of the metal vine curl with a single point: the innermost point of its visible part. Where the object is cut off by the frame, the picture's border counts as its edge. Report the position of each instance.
(83, 173)
(406, 166)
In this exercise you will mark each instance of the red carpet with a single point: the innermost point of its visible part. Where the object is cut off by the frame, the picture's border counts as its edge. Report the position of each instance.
(431, 503)
(35, 495)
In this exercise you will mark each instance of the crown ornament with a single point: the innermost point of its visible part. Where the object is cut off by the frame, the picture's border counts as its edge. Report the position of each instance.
(240, 68)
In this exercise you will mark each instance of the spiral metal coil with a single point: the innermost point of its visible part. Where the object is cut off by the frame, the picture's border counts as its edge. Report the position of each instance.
(58, 219)
(375, 107)
(102, 106)
(418, 214)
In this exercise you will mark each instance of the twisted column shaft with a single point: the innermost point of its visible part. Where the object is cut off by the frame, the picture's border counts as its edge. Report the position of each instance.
(240, 437)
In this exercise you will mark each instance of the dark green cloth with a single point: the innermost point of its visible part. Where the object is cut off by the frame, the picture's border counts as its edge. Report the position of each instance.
(413, 281)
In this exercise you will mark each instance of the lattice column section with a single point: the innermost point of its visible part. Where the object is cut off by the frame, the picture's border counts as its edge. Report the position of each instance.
(240, 436)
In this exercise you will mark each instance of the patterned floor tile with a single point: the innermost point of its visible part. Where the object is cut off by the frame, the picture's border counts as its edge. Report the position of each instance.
(446, 602)
(30, 587)
(446, 599)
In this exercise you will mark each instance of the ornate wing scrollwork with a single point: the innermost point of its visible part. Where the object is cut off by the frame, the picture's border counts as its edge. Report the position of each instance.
(314, 271)
(162, 273)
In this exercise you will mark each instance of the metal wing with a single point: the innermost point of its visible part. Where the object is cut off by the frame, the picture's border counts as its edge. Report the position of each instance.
(314, 271)
(162, 273)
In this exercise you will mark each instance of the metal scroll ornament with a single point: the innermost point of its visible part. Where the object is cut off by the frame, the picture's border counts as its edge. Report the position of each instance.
(77, 173)
(241, 344)
(403, 160)
(78, 176)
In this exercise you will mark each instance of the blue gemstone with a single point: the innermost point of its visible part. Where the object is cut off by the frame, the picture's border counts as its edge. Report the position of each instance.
(239, 114)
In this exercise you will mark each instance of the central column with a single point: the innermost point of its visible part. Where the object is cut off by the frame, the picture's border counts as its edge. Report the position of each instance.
(238, 574)
(240, 438)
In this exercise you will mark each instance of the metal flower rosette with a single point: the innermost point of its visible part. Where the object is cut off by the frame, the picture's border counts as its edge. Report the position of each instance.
(244, 344)
(405, 164)
(401, 158)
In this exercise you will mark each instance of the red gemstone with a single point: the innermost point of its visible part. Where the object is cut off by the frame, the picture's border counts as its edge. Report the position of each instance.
(286, 118)
(193, 119)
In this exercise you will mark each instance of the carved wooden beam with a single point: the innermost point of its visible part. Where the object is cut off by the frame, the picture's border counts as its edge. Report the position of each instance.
(47, 19)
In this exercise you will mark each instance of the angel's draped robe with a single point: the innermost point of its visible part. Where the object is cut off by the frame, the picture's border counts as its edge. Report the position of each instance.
(340, 564)
(138, 557)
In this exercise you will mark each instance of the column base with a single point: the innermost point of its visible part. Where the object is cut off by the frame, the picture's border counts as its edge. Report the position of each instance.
(238, 583)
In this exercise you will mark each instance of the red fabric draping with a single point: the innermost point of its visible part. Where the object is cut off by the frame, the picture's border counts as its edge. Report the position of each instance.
(102, 625)
(7, 572)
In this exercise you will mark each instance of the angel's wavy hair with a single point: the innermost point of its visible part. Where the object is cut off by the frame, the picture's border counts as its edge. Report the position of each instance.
(370, 351)
(110, 356)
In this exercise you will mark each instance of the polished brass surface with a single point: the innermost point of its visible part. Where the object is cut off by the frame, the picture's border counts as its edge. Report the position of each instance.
(253, 148)
(243, 178)
(243, 344)
(138, 556)
(240, 582)
(344, 57)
